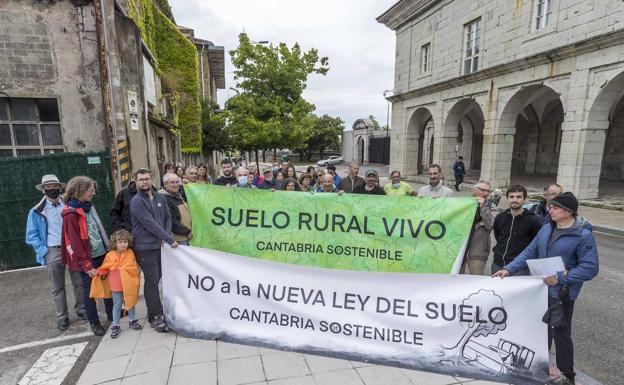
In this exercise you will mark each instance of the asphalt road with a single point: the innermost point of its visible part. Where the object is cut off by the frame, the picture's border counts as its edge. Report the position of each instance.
(27, 316)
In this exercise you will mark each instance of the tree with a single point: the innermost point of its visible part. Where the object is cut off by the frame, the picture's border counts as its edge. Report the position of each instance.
(376, 125)
(325, 135)
(269, 111)
(215, 134)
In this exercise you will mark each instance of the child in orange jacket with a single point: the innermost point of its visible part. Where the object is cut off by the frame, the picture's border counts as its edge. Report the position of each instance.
(122, 272)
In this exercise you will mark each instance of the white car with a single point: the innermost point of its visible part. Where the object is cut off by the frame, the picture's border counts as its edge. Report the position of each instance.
(331, 160)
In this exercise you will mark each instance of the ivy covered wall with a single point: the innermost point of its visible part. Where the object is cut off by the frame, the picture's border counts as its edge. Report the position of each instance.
(178, 65)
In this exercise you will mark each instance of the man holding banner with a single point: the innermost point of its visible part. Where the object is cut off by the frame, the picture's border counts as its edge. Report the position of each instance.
(569, 237)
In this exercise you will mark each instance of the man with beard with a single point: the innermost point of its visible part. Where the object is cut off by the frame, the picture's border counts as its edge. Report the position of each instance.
(228, 178)
(151, 225)
(371, 185)
(435, 189)
(514, 229)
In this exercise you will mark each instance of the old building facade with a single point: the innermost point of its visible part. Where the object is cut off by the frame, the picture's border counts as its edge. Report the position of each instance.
(79, 76)
(518, 88)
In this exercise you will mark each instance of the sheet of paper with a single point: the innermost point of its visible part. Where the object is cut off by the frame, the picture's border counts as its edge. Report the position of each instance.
(544, 267)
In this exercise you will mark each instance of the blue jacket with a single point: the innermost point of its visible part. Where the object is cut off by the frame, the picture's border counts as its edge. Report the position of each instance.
(577, 249)
(37, 231)
(151, 221)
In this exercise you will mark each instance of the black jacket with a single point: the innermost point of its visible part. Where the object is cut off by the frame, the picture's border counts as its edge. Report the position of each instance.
(173, 202)
(120, 213)
(224, 181)
(513, 234)
(151, 221)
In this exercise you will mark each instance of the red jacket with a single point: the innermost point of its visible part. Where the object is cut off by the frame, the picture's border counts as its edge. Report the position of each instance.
(75, 245)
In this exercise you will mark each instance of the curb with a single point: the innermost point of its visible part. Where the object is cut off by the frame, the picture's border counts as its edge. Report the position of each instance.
(608, 230)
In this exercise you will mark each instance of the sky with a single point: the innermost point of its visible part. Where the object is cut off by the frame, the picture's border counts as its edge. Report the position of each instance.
(360, 50)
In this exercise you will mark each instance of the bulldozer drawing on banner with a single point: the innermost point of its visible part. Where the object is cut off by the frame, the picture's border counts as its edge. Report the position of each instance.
(506, 358)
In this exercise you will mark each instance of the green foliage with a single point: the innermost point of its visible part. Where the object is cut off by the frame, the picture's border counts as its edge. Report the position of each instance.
(376, 125)
(270, 111)
(325, 135)
(178, 64)
(215, 133)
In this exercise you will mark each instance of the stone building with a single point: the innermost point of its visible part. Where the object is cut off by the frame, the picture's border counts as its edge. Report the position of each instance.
(69, 83)
(521, 89)
(363, 144)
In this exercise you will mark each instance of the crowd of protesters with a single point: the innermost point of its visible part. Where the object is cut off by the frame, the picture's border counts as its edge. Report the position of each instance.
(66, 233)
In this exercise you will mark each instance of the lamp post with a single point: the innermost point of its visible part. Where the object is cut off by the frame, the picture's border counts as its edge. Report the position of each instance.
(385, 95)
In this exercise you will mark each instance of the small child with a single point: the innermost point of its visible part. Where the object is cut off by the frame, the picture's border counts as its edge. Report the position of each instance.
(123, 279)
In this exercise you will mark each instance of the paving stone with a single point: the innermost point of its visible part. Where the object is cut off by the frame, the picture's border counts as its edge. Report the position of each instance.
(155, 377)
(226, 351)
(319, 364)
(418, 377)
(284, 365)
(342, 377)
(383, 375)
(150, 339)
(358, 364)
(266, 351)
(194, 352)
(123, 345)
(240, 371)
(149, 360)
(305, 380)
(204, 373)
(102, 371)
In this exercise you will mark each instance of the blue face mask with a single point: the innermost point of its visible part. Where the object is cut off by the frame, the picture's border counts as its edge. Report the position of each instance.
(396, 185)
(242, 180)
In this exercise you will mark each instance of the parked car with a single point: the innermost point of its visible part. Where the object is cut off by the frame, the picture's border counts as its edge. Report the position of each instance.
(331, 160)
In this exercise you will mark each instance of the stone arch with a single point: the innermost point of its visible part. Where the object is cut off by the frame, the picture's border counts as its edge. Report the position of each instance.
(420, 125)
(531, 122)
(465, 121)
(607, 113)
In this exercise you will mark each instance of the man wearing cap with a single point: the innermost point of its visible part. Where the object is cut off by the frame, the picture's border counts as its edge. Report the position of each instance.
(267, 179)
(435, 188)
(43, 233)
(570, 237)
(352, 180)
(371, 185)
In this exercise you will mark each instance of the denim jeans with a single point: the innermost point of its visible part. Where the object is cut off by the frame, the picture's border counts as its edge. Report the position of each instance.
(117, 304)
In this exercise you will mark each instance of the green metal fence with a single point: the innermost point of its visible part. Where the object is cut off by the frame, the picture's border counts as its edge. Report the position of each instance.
(18, 177)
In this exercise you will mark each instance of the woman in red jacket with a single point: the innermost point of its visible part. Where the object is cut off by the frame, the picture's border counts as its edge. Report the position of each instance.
(84, 242)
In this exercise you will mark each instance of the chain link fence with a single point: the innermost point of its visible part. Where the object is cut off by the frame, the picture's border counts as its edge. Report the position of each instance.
(18, 177)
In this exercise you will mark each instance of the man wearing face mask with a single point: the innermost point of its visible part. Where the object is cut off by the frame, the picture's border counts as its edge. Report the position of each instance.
(242, 176)
(43, 233)
(397, 187)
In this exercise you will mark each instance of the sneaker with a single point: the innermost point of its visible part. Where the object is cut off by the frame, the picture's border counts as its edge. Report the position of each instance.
(159, 324)
(115, 330)
(134, 324)
(561, 380)
(62, 324)
(97, 328)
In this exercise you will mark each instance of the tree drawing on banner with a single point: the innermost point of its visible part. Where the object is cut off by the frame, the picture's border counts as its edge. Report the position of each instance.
(487, 318)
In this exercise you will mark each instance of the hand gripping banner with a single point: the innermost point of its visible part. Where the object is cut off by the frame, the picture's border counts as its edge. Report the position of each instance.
(349, 231)
(477, 327)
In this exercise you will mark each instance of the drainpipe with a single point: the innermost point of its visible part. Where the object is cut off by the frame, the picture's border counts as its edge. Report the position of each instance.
(109, 112)
(201, 68)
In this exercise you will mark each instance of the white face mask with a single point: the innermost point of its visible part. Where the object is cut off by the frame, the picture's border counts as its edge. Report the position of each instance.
(396, 185)
(242, 180)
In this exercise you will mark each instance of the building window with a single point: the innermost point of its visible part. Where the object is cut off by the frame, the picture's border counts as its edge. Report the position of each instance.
(472, 32)
(543, 13)
(425, 57)
(29, 127)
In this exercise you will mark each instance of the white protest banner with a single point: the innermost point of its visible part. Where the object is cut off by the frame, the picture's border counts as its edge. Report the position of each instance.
(477, 327)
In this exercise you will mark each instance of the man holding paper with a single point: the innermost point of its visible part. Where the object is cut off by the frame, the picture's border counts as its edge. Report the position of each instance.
(571, 238)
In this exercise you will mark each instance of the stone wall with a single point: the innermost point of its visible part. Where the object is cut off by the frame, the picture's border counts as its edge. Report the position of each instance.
(49, 51)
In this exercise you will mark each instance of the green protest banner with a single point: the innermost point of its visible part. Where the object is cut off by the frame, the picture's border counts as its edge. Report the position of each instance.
(349, 231)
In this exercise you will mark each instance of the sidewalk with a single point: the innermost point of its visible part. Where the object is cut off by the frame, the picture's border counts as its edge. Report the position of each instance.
(149, 358)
